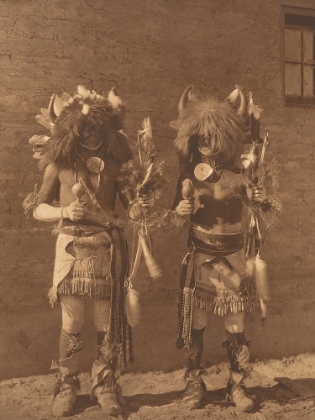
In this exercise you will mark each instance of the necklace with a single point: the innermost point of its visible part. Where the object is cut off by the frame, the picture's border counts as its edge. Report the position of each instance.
(205, 171)
(94, 164)
(89, 147)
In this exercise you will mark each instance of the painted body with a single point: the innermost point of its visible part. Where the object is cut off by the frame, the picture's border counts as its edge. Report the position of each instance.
(82, 164)
(213, 276)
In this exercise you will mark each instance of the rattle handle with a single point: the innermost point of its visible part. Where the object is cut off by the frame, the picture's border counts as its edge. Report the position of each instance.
(188, 189)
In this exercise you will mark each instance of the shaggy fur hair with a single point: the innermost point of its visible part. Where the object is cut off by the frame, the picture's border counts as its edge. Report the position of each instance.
(215, 124)
(61, 146)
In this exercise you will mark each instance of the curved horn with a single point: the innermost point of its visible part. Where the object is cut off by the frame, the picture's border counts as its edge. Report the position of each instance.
(55, 107)
(232, 98)
(51, 110)
(243, 104)
(184, 98)
(58, 105)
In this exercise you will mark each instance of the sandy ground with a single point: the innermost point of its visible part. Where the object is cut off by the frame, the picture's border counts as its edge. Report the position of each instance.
(156, 395)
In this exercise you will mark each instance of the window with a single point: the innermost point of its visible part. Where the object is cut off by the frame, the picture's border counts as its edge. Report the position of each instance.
(299, 56)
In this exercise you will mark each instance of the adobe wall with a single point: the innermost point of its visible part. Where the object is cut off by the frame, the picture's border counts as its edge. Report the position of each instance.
(152, 50)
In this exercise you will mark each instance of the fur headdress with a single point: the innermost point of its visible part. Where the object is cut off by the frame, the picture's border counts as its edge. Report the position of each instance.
(219, 124)
(67, 115)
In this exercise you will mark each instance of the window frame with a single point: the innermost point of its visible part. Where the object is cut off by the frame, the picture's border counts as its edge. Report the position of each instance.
(301, 13)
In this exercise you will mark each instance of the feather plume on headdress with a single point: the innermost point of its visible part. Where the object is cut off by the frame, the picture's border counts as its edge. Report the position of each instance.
(215, 121)
(254, 112)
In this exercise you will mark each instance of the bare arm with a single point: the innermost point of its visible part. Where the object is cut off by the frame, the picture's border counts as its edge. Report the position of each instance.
(126, 196)
(49, 191)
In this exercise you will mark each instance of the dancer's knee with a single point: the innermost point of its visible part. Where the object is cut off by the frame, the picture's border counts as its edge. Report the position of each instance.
(200, 319)
(234, 322)
(72, 314)
(101, 314)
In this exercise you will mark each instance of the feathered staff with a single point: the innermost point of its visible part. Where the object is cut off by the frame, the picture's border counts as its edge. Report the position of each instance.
(142, 174)
(256, 267)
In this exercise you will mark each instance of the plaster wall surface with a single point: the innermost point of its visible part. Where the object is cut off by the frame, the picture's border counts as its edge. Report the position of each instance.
(151, 50)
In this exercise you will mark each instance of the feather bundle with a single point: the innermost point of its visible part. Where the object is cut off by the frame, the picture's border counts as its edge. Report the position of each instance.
(257, 268)
(114, 99)
(263, 310)
(254, 112)
(82, 91)
(44, 119)
(250, 267)
(249, 159)
(85, 109)
(232, 98)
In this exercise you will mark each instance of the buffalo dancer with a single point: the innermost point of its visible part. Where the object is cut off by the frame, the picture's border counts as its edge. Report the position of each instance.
(82, 161)
(210, 190)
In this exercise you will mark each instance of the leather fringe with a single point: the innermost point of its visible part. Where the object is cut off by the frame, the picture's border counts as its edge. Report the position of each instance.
(223, 306)
(79, 286)
(190, 298)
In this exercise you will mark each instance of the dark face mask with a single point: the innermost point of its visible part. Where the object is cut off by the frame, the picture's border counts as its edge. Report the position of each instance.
(90, 134)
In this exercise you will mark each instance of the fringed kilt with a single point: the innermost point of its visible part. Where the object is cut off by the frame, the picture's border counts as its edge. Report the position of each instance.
(93, 262)
(213, 278)
(89, 274)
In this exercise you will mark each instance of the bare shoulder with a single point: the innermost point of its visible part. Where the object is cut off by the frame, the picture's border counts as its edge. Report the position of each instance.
(234, 176)
(51, 170)
(187, 174)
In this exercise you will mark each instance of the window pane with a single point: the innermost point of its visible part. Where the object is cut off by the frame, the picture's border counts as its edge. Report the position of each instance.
(293, 45)
(293, 79)
(308, 45)
(308, 81)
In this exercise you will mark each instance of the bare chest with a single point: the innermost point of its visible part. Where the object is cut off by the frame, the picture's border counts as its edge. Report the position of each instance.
(102, 185)
(226, 188)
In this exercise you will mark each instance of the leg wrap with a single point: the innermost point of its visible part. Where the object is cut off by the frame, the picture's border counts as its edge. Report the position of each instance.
(69, 352)
(237, 349)
(69, 344)
(238, 352)
(105, 364)
(62, 380)
(195, 353)
(105, 353)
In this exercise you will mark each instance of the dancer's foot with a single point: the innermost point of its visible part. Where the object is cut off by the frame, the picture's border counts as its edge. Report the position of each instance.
(195, 389)
(109, 396)
(67, 396)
